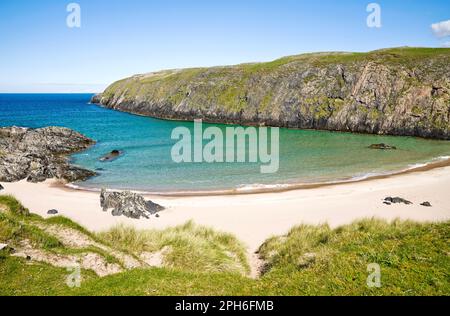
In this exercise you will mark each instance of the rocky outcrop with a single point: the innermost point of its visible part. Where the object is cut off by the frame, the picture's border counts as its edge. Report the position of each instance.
(40, 154)
(128, 204)
(403, 91)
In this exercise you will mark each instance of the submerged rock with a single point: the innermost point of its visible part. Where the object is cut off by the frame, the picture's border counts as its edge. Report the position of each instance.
(396, 200)
(382, 147)
(399, 91)
(111, 156)
(40, 154)
(128, 204)
(426, 204)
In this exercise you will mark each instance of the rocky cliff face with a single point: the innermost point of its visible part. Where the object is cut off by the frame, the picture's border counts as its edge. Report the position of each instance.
(40, 154)
(403, 91)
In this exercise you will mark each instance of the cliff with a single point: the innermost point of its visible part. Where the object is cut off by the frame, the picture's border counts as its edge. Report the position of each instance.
(400, 91)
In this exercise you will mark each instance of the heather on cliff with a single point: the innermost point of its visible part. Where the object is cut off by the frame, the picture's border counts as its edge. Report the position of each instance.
(400, 91)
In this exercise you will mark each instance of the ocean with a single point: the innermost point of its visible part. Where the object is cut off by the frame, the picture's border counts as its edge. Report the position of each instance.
(146, 164)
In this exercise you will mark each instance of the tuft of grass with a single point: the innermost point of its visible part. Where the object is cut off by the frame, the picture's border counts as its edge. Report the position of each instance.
(66, 222)
(13, 206)
(414, 258)
(188, 247)
(14, 230)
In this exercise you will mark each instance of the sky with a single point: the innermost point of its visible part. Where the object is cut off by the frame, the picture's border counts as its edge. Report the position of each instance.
(119, 38)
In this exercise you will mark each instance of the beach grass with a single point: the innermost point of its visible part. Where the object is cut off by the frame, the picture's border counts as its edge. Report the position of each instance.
(414, 259)
(188, 247)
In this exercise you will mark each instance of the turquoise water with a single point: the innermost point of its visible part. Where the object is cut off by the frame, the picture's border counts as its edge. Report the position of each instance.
(305, 156)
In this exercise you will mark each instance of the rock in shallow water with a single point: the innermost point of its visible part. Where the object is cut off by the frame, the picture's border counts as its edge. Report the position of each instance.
(426, 204)
(113, 155)
(1, 187)
(128, 204)
(382, 147)
(52, 212)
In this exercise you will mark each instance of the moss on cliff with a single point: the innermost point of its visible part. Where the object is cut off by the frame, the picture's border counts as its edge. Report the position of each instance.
(378, 87)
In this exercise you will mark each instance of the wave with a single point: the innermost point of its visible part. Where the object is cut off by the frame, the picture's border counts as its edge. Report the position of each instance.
(437, 162)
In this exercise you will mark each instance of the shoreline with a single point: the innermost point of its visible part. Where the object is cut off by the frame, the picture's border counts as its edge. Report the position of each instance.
(435, 163)
(255, 218)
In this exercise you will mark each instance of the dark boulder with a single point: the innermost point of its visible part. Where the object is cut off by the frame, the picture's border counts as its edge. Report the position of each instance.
(396, 200)
(1, 187)
(113, 155)
(382, 147)
(52, 212)
(426, 204)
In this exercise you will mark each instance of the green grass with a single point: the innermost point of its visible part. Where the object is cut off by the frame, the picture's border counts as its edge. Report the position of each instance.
(414, 258)
(310, 260)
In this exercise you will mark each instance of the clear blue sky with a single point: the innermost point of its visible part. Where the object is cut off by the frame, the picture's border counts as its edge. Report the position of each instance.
(119, 38)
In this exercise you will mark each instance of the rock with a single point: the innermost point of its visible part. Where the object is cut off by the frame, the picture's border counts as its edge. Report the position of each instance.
(113, 155)
(52, 212)
(96, 98)
(1, 187)
(157, 215)
(307, 260)
(396, 200)
(154, 208)
(40, 154)
(426, 204)
(377, 92)
(128, 204)
(382, 147)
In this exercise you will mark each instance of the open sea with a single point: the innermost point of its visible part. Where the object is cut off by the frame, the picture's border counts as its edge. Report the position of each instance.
(146, 164)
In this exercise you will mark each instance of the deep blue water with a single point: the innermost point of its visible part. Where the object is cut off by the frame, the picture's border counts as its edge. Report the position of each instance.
(305, 156)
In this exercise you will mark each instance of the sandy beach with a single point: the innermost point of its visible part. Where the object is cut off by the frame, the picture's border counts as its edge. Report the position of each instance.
(256, 217)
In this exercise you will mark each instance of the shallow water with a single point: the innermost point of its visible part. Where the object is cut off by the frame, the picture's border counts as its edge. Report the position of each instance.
(305, 156)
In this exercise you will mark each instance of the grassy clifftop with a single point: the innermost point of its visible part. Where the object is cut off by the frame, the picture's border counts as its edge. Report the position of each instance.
(189, 260)
(400, 91)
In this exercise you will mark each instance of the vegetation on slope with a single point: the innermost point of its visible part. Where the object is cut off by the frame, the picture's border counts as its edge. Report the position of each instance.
(399, 91)
(414, 260)
(188, 247)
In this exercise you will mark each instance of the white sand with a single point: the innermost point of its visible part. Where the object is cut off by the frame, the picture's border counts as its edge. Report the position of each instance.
(254, 218)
